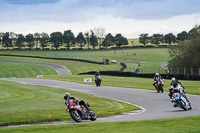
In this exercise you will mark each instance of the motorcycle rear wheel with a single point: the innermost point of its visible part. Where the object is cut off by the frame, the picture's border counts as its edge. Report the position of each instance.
(75, 115)
(161, 89)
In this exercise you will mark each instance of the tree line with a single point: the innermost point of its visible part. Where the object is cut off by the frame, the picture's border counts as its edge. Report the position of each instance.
(160, 38)
(186, 55)
(92, 38)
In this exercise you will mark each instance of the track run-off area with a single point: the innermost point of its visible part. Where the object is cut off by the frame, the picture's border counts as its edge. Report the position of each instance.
(153, 105)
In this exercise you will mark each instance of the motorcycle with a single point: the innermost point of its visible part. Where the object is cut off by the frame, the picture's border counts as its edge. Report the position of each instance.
(160, 84)
(98, 80)
(181, 102)
(79, 112)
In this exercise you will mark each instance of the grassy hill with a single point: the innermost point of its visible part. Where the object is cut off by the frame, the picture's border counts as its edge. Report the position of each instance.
(150, 59)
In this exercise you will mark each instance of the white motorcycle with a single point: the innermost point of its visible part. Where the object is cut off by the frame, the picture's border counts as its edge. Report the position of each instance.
(179, 100)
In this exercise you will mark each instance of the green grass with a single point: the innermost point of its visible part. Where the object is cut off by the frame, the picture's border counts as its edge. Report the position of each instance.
(21, 103)
(172, 125)
(149, 59)
(8, 70)
(149, 54)
(129, 82)
(76, 67)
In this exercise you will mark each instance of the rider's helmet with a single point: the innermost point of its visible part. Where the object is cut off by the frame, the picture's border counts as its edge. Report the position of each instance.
(173, 79)
(171, 88)
(66, 96)
(156, 74)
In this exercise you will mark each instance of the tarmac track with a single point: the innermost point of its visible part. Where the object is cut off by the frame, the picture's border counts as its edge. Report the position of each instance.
(154, 105)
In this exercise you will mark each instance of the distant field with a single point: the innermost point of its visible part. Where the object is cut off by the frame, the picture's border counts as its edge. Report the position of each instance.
(149, 59)
(21, 103)
(123, 55)
(9, 70)
(76, 67)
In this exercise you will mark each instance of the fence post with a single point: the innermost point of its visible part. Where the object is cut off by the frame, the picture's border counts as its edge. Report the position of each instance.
(171, 70)
(191, 71)
(177, 71)
(184, 70)
(199, 71)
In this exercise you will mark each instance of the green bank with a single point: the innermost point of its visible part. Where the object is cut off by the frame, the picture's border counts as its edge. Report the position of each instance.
(172, 125)
(22, 104)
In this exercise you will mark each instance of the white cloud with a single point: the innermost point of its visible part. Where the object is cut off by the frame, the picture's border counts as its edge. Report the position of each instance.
(129, 17)
(130, 28)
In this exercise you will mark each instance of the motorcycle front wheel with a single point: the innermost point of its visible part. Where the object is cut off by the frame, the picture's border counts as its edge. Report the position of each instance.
(75, 115)
(93, 116)
(183, 105)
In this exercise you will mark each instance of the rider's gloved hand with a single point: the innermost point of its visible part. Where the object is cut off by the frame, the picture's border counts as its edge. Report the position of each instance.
(67, 109)
(171, 100)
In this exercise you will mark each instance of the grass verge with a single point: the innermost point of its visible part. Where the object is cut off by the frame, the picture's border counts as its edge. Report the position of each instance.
(8, 70)
(172, 125)
(21, 104)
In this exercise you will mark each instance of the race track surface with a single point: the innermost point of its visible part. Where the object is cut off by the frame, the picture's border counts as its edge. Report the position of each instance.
(154, 105)
(61, 70)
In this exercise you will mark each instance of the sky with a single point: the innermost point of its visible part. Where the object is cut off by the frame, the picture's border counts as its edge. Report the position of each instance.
(128, 17)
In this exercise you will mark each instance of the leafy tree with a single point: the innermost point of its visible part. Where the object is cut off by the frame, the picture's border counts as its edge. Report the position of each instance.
(37, 37)
(56, 39)
(170, 38)
(144, 39)
(108, 41)
(1, 38)
(13, 37)
(44, 39)
(20, 41)
(7, 42)
(100, 34)
(93, 39)
(68, 38)
(187, 54)
(182, 36)
(81, 40)
(157, 39)
(30, 40)
(87, 38)
(120, 40)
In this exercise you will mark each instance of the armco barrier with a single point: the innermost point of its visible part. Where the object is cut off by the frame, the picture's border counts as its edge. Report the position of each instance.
(132, 74)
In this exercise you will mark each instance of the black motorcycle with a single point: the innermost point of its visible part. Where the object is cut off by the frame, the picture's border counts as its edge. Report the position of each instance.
(98, 80)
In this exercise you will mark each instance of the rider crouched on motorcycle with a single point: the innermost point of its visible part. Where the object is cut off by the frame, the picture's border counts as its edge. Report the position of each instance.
(173, 85)
(156, 78)
(175, 82)
(173, 88)
(67, 98)
(97, 74)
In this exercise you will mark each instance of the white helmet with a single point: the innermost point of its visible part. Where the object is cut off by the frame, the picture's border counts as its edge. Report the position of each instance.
(173, 79)
(157, 74)
(66, 96)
